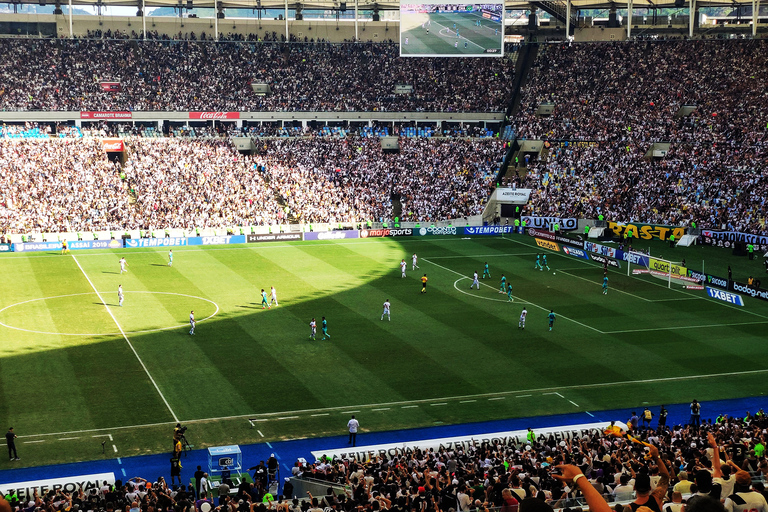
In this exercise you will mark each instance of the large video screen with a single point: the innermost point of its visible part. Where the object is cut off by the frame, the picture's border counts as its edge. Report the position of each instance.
(451, 29)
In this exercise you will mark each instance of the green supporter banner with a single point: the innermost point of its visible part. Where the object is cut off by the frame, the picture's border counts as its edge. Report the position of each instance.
(646, 231)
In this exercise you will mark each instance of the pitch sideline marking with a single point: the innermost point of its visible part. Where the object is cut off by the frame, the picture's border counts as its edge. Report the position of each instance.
(687, 327)
(144, 331)
(516, 297)
(600, 284)
(176, 419)
(461, 399)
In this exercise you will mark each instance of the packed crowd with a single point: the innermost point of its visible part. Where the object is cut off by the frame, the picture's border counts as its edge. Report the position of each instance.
(70, 185)
(706, 466)
(204, 76)
(626, 96)
(618, 183)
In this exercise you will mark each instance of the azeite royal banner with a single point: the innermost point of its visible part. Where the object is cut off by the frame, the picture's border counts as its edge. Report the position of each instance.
(70, 484)
(275, 237)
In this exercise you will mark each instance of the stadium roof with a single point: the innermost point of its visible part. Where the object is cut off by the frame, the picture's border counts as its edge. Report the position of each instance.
(390, 5)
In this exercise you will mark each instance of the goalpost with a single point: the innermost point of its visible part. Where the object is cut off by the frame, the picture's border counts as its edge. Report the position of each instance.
(669, 271)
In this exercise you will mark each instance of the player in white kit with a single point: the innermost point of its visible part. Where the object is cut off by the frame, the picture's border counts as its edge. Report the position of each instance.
(386, 310)
(123, 264)
(274, 296)
(415, 265)
(402, 268)
(120, 294)
(192, 322)
(475, 282)
(521, 323)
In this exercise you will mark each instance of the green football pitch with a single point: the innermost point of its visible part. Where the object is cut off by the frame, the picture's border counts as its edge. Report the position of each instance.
(435, 34)
(76, 368)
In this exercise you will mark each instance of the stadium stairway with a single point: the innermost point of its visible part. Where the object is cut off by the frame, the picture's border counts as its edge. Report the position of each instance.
(559, 10)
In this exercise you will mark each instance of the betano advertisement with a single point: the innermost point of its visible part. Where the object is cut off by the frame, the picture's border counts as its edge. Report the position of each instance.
(646, 231)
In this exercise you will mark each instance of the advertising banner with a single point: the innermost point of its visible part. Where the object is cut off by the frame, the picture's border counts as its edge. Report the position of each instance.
(70, 484)
(437, 230)
(5, 248)
(547, 244)
(332, 235)
(105, 115)
(214, 115)
(637, 259)
(734, 236)
(36, 246)
(155, 242)
(600, 249)
(464, 443)
(95, 244)
(372, 233)
(488, 230)
(646, 231)
(664, 267)
(546, 223)
(216, 240)
(602, 259)
(552, 237)
(513, 195)
(113, 145)
(275, 237)
(757, 293)
(725, 296)
(110, 86)
(576, 253)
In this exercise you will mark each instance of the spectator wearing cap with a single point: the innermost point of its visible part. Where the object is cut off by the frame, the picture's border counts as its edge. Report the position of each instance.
(744, 498)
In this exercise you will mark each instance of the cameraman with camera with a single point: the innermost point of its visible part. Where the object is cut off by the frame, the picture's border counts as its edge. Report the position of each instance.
(179, 440)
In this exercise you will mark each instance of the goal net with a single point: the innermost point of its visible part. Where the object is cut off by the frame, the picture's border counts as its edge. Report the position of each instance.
(673, 272)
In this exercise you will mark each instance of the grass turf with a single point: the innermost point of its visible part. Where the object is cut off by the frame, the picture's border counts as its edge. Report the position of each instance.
(448, 356)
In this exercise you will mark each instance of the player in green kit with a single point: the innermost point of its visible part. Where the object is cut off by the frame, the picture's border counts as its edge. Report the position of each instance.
(509, 293)
(551, 318)
(538, 262)
(544, 262)
(325, 329)
(486, 272)
(605, 285)
(503, 287)
(264, 303)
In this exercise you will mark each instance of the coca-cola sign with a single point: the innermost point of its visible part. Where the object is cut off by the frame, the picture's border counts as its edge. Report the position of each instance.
(113, 145)
(214, 115)
(110, 86)
(105, 115)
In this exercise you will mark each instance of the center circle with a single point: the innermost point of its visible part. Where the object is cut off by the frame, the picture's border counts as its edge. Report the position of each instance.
(183, 302)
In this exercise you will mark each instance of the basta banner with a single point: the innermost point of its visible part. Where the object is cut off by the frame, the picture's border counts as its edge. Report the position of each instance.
(6, 248)
(275, 237)
(332, 235)
(374, 233)
(546, 223)
(214, 116)
(105, 115)
(646, 231)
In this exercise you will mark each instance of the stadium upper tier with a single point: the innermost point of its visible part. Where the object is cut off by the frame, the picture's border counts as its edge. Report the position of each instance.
(54, 75)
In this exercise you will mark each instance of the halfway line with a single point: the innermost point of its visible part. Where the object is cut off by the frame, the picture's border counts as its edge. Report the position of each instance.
(126, 340)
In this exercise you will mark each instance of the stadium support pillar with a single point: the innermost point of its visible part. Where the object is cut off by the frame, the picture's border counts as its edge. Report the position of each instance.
(357, 38)
(629, 19)
(567, 19)
(144, 19)
(287, 36)
(755, 9)
(215, 23)
(71, 32)
(691, 15)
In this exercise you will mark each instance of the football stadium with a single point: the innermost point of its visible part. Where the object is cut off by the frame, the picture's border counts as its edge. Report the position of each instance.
(261, 256)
